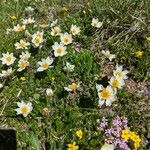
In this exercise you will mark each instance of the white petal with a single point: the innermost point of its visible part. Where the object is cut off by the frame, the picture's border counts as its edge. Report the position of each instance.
(101, 102)
(108, 102)
(99, 87)
(40, 69)
(67, 89)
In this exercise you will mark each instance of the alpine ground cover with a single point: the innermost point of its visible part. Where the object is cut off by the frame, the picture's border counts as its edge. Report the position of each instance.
(75, 74)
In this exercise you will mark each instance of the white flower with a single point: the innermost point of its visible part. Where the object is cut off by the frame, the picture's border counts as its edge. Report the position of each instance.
(6, 73)
(22, 44)
(54, 23)
(106, 95)
(66, 38)
(116, 82)
(1, 85)
(49, 92)
(22, 65)
(37, 38)
(119, 73)
(24, 108)
(28, 21)
(96, 23)
(8, 59)
(69, 67)
(74, 30)
(29, 9)
(55, 31)
(25, 56)
(108, 147)
(59, 49)
(45, 64)
(108, 55)
(19, 28)
(73, 87)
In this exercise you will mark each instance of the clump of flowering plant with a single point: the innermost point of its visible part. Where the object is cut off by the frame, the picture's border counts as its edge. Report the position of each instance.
(118, 133)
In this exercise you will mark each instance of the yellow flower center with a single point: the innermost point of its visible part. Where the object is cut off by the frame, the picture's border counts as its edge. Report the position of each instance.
(24, 109)
(20, 29)
(73, 87)
(73, 31)
(105, 94)
(119, 74)
(115, 83)
(59, 50)
(37, 40)
(45, 65)
(22, 45)
(8, 59)
(23, 65)
(66, 39)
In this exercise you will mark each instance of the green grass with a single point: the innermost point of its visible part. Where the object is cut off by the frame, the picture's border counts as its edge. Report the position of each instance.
(125, 27)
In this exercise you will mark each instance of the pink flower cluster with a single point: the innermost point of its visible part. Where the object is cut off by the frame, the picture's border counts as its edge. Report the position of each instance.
(113, 130)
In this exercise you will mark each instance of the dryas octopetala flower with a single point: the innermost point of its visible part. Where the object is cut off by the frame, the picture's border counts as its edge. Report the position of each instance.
(59, 49)
(45, 64)
(49, 92)
(96, 23)
(69, 67)
(116, 82)
(79, 134)
(19, 28)
(66, 38)
(37, 38)
(72, 88)
(8, 58)
(74, 30)
(73, 146)
(106, 95)
(25, 56)
(22, 44)
(120, 73)
(107, 147)
(6, 73)
(108, 55)
(55, 31)
(24, 108)
(22, 65)
(28, 21)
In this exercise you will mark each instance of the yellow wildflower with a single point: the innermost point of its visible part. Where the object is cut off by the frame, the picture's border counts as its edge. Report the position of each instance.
(136, 139)
(148, 38)
(125, 134)
(22, 78)
(79, 134)
(139, 53)
(13, 17)
(73, 146)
